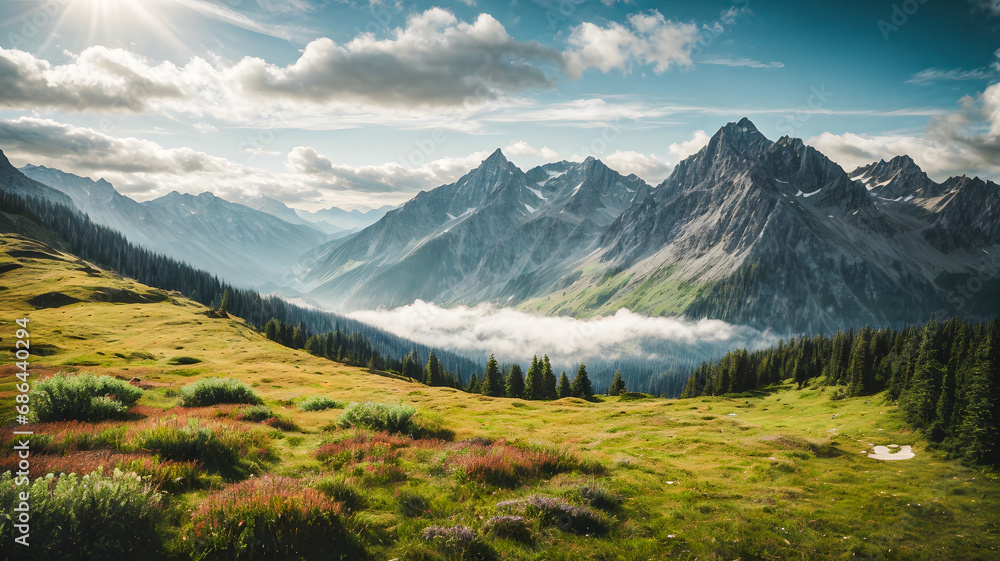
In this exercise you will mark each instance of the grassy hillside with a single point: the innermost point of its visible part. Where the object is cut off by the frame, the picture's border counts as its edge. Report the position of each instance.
(783, 475)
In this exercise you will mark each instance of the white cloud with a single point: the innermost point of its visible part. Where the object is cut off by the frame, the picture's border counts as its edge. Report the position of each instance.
(522, 148)
(681, 150)
(144, 169)
(745, 62)
(966, 141)
(650, 168)
(648, 38)
(435, 60)
(513, 335)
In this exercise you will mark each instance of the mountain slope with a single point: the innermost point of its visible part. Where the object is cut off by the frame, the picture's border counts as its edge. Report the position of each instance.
(494, 235)
(242, 245)
(13, 181)
(773, 235)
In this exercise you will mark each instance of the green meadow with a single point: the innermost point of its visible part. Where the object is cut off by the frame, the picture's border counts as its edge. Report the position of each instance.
(290, 456)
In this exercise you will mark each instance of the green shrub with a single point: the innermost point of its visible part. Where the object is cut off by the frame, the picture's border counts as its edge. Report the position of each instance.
(256, 413)
(509, 527)
(211, 391)
(551, 511)
(88, 517)
(459, 542)
(598, 496)
(270, 518)
(389, 417)
(83, 397)
(319, 403)
(230, 452)
(342, 492)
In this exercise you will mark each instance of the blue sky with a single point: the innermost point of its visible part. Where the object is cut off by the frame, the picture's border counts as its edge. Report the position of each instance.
(359, 103)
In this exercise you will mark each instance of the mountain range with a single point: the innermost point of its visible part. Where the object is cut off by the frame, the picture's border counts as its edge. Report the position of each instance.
(749, 230)
(767, 233)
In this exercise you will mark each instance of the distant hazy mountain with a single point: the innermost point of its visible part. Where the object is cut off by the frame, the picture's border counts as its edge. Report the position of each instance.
(748, 230)
(15, 182)
(279, 209)
(343, 219)
(245, 246)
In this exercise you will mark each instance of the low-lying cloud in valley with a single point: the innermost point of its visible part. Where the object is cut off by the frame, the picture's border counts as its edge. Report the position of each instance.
(515, 336)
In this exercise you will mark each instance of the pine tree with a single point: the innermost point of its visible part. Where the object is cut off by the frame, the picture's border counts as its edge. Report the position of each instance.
(533, 381)
(919, 400)
(980, 420)
(803, 362)
(515, 382)
(432, 372)
(564, 388)
(474, 385)
(492, 382)
(227, 298)
(581, 384)
(617, 384)
(548, 380)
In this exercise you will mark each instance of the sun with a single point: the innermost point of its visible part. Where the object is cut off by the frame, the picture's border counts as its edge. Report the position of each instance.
(117, 22)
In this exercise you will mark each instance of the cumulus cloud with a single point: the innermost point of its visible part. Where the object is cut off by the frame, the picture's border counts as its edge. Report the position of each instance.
(513, 335)
(650, 168)
(98, 79)
(698, 140)
(435, 60)
(966, 141)
(648, 38)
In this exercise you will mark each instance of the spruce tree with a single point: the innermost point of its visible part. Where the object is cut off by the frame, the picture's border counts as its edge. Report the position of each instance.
(564, 388)
(474, 385)
(548, 380)
(432, 372)
(533, 381)
(581, 384)
(617, 384)
(227, 299)
(515, 382)
(980, 420)
(492, 382)
(919, 400)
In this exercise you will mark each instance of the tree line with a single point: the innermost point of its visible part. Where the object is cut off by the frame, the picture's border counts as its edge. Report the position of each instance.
(944, 377)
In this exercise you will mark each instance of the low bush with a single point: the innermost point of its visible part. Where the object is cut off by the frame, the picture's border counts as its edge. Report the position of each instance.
(319, 403)
(341, 491)
(389, 417)
(380, 447)
(509, 527)
(459, 542)
(551, 511)
(212, 391)
(271, 517)
(506, 465)
(233, 453)
(255, 414)
(83, 397)
(598, 496)
(88, 517)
